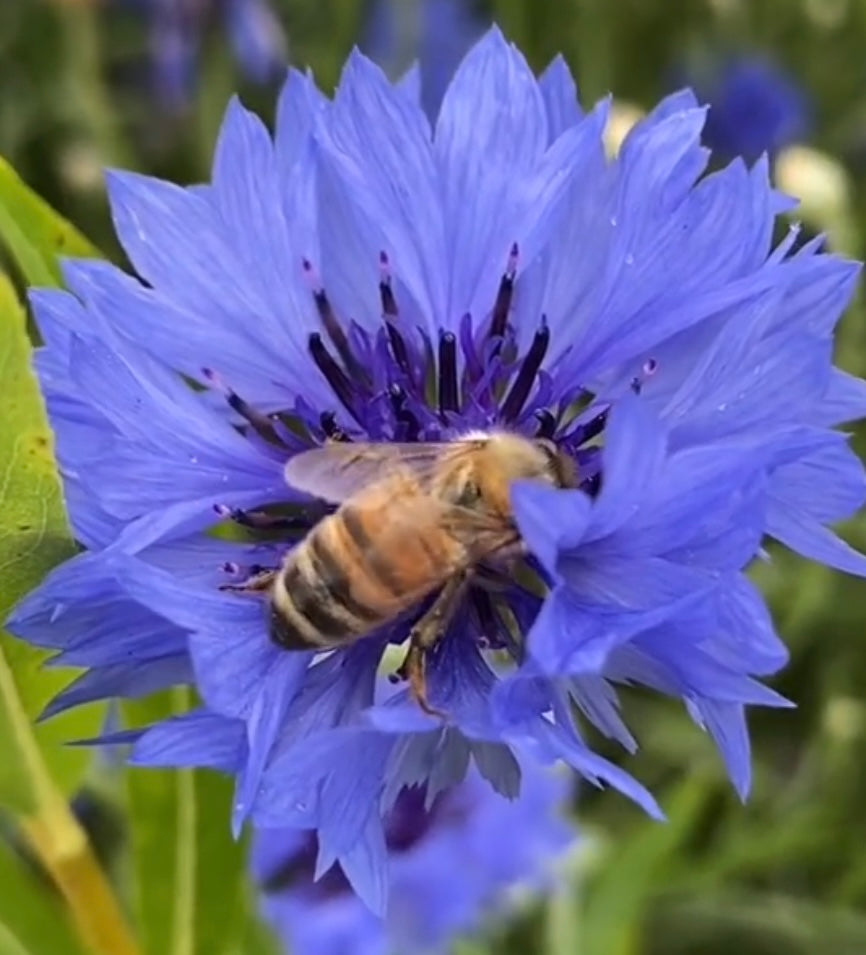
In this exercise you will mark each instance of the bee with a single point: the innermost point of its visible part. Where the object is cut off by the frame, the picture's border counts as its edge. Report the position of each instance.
(412, 519)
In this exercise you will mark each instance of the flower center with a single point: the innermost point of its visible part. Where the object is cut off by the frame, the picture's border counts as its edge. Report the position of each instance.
(395, 384)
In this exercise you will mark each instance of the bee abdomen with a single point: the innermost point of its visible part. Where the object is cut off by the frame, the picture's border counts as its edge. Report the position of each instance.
(313, 604)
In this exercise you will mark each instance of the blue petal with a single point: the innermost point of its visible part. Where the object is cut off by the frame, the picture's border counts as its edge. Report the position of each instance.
(806, 536)
(827, 485)
(379, 193)
(365, 865)
(483, 148)
(727, 724)
(559, 92)
(844, 400)
(127, 680)
(534, 509)
(199, 738)
(635, 444)
(599, 703)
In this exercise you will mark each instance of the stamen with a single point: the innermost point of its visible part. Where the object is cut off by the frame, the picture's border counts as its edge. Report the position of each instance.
(261, 423)
(331, 324)
(386, 293)
(449, 398)
(410, 423)
(502, 305)
(333, 373)
(519, 391)
(546, 424)
(399, 350)
(256, 520)
(230, 567)
(472, 365)
(592, 485)
(328, 423)
(593, 428)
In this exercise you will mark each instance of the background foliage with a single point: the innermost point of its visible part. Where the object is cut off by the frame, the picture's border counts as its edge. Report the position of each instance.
(784, 874)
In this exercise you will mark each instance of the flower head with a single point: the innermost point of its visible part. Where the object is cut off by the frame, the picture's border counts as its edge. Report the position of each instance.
(366, 276)
(755, 107)
(449, 869)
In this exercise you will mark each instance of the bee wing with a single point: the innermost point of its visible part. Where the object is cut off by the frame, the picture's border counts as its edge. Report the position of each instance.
(334, 472)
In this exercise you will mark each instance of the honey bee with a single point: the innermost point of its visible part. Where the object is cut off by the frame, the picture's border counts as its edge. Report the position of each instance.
(412, 519)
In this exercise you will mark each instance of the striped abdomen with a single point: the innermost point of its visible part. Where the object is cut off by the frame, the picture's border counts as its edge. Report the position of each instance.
(361, 567)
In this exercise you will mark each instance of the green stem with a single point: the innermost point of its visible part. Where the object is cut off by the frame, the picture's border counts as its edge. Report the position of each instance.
(62, 846)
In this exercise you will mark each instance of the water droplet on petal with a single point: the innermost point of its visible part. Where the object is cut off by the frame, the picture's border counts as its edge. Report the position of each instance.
(629, 259)
(613, 220)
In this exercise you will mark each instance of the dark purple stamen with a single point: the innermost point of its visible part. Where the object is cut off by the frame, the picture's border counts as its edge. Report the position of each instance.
(519, 391)
(592, 485)
(258, 521)
(331, 325)
(411, 427)
(546, 424)
(593, 428)
(502, 305)
(260, 423)
(333, 373)
(399, 350)
(386, 293)
(410, 423)
(449, 398)
(328, 422)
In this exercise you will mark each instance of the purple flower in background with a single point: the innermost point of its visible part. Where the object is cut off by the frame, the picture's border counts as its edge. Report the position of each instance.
(755, 107)
(436, 34)
(368, 276)
(452, 866)
(177, 29)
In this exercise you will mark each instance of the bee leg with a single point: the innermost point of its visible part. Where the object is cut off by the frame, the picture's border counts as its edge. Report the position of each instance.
(509, 554)
(425, 635)
(257, 583)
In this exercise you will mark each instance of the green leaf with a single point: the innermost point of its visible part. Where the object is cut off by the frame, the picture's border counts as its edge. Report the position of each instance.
(34, 234)
(756, 922)
(33, 538)
(32, 918)
(619, 896)
(188, 869)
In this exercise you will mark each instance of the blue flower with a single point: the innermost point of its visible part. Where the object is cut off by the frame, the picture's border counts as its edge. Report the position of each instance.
(364, 275)
(755, 107)
(449, 869)
(177, 28)
(435, 33)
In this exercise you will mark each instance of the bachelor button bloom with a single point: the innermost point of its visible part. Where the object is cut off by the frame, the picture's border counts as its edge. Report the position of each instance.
(755, 107)
(177, 28)
(452, 865)
(367, 276)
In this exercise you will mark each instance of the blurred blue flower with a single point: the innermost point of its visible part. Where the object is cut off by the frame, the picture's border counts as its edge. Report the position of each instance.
(434, 33)
(177, 30)
(755, 107)
(451, 867)
(364, 275)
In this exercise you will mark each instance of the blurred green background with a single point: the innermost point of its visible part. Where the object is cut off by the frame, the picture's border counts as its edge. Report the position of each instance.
(787, 872)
